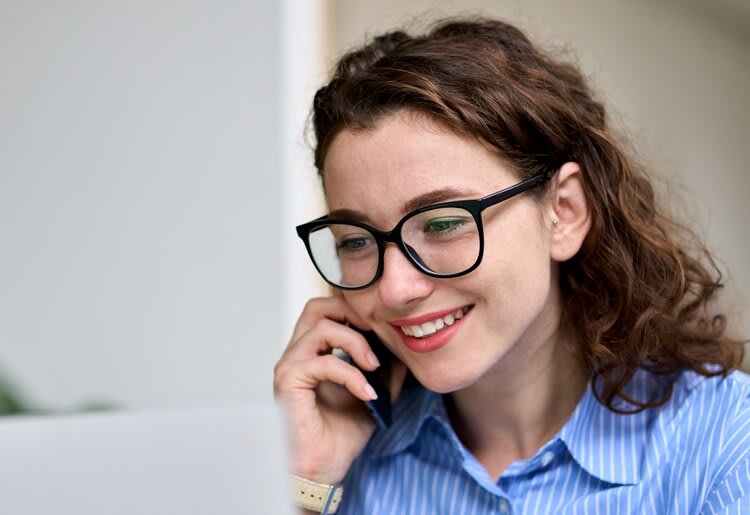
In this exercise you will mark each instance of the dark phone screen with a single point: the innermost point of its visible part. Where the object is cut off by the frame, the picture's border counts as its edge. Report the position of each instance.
(380, 408)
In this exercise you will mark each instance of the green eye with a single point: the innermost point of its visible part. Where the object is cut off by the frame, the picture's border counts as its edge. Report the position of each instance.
(444, 225)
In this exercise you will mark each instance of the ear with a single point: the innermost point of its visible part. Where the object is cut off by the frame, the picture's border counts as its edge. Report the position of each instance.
(570, 207)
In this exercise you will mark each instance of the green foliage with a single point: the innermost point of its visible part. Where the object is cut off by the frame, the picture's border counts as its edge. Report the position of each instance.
(11, 402)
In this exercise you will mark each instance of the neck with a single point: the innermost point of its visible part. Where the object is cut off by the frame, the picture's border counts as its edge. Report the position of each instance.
(519, 405)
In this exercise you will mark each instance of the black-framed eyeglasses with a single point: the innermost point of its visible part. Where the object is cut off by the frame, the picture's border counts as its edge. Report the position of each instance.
(442, 240)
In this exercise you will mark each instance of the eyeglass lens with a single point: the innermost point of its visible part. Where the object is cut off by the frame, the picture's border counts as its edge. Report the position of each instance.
(444, 241)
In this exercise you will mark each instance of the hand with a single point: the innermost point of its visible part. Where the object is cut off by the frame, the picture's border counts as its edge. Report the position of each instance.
(323, 395)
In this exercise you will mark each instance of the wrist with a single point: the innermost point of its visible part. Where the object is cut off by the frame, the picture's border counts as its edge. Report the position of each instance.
(319, 474)
(319, 498)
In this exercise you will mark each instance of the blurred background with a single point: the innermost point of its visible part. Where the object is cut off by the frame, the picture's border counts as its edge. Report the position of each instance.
(153, 164)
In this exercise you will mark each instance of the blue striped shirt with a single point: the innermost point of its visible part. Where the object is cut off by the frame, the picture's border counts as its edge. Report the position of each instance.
(689, 456)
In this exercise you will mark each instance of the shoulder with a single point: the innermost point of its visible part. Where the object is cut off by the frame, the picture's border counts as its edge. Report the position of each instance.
(722, 400)
(715, 409)
(712, 425)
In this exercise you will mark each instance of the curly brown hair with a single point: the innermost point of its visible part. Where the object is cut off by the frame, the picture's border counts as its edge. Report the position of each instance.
(636, 294)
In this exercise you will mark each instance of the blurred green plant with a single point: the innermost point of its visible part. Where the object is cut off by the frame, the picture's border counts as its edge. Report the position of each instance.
(11, 401)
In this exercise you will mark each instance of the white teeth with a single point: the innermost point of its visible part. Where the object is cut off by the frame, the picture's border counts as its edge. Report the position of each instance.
(434, 326)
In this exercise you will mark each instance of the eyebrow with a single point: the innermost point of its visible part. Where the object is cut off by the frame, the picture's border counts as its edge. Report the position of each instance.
(435, 197)
(423, 200)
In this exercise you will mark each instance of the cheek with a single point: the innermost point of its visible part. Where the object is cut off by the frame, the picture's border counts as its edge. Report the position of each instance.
(516, 254)
(515, 269)
(361, 301)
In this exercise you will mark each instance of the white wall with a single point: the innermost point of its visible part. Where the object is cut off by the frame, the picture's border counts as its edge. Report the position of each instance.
(305, 43)
(140, 187)
(677, 75)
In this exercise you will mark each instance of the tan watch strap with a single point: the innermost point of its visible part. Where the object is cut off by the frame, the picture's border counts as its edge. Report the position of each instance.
(318, 497)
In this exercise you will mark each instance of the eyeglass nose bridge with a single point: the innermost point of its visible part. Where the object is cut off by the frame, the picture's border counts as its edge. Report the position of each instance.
(394, 237)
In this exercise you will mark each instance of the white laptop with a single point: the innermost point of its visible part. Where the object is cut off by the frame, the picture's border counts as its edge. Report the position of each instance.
(220, 460)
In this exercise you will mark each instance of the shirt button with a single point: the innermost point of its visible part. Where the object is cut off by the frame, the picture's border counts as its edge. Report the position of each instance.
(547, 458)
(504, 506)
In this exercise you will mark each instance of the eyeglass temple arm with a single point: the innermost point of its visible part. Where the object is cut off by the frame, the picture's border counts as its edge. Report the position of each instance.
(537, 180)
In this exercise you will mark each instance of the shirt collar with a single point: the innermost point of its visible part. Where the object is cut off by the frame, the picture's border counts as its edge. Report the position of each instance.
(608, 445)
(411, 410)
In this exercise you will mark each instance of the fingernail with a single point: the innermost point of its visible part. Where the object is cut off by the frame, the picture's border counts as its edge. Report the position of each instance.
(370, 391)
(373, 359)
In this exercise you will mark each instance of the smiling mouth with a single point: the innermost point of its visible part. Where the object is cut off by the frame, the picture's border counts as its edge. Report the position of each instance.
(434, 326)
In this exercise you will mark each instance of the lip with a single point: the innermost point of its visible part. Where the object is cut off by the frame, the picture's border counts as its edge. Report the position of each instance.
(434, 341)
(421, 319)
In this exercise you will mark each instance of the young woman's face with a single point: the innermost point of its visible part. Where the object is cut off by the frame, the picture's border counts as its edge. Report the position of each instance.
(510, 304)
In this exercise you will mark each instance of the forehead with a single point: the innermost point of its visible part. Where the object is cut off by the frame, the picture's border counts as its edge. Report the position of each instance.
(378, 170)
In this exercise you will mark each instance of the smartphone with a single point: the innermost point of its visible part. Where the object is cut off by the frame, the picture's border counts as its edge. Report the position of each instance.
(380, 408)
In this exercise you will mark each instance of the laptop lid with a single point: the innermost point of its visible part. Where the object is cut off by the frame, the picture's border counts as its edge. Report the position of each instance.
(214, 460)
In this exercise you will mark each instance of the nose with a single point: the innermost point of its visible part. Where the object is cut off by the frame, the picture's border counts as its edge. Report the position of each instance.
(401, 283)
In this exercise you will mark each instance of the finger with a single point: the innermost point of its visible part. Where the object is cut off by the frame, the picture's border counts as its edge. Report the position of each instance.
(300, 378)
(333, 308)
(327, 334)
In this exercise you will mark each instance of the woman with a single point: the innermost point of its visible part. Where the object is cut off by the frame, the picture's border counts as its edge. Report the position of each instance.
(552, 325)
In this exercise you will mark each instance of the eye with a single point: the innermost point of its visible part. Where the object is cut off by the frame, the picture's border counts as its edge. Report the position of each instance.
(353, 243)
(444, 225)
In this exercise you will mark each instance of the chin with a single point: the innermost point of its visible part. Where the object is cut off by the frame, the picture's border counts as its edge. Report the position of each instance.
(445, 381)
